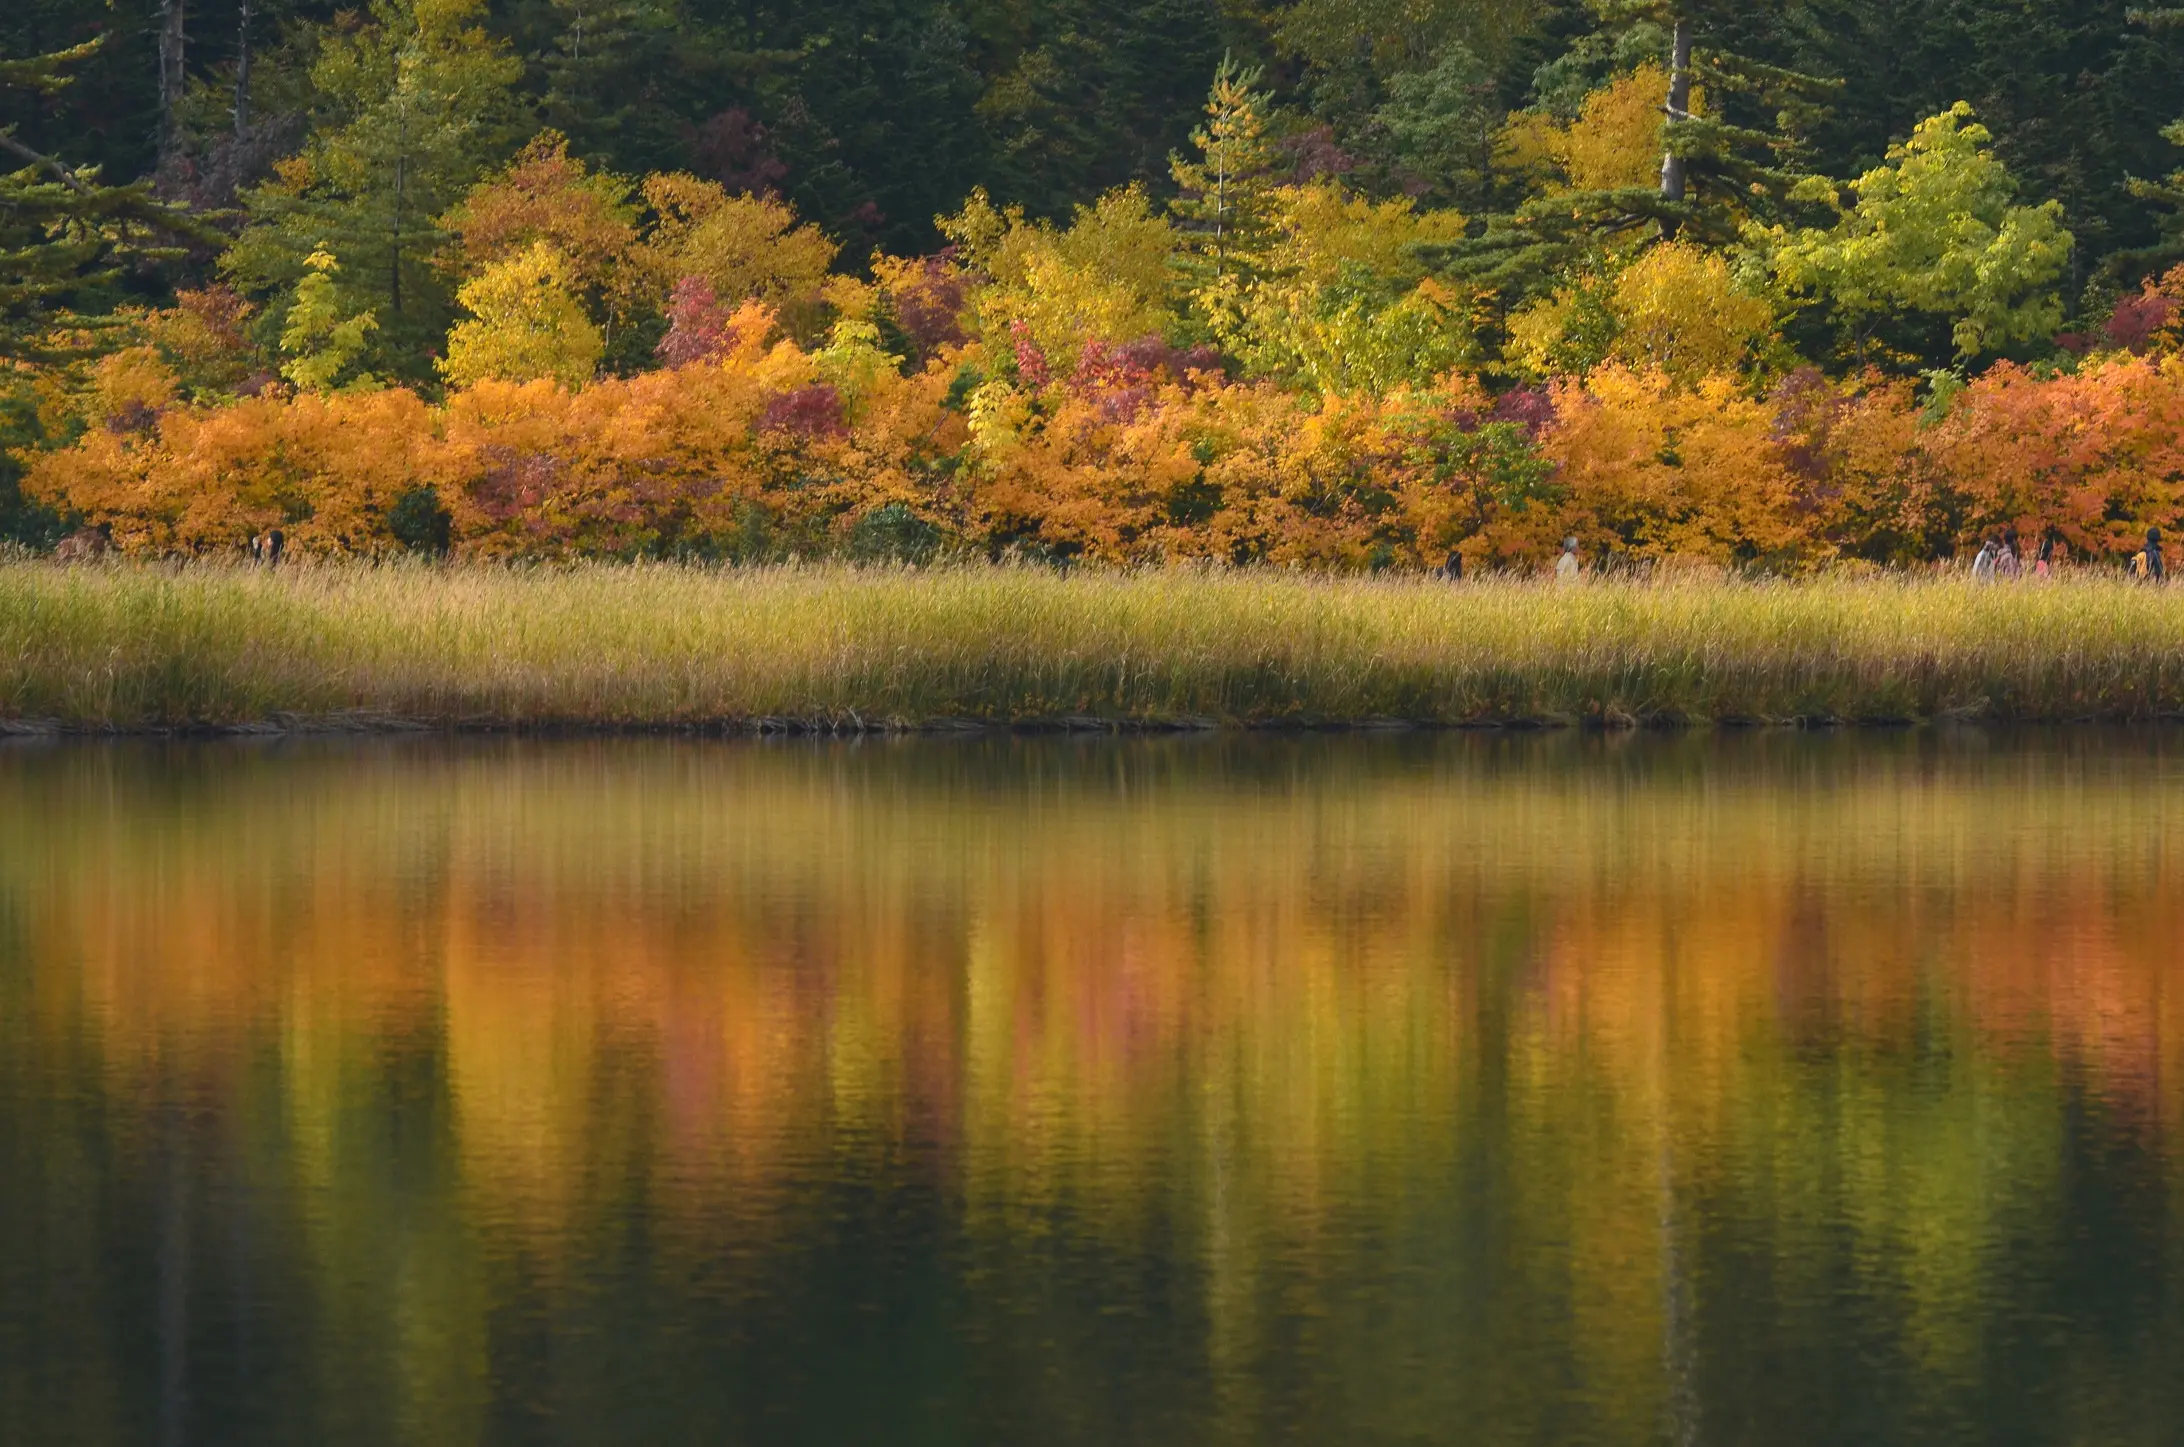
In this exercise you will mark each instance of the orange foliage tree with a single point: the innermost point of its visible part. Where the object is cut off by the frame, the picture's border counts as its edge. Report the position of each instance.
(757, 445)
(2099, 455)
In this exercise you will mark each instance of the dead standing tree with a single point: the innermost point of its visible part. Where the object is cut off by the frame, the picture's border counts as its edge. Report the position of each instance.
(173, 41)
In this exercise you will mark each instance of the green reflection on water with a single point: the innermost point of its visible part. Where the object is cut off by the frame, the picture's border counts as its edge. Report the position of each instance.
(1775, 1089)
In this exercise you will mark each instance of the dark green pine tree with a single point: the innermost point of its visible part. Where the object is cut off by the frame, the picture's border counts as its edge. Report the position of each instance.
(864, 110)
(629, 82)
(67, 242)
(66, 238)
(2167, 195)
(1044, 102)
(1746, 157)
(1718, 171)
(1082, 95)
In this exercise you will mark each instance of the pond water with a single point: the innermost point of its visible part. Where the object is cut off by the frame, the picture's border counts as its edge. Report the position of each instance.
(1764, 1089)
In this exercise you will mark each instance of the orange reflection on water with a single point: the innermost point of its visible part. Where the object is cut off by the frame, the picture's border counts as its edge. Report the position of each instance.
(1274, 1000)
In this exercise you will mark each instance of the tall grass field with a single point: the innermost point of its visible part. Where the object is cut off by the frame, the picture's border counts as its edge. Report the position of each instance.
(123, 647)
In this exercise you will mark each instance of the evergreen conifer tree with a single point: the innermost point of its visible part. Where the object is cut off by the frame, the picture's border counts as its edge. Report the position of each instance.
(1719, 169)
(601, 67)
(2167, 193)
(1222, 205)
(65, 235)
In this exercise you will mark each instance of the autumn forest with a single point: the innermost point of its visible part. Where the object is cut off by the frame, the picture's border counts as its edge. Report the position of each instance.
(1835, 283)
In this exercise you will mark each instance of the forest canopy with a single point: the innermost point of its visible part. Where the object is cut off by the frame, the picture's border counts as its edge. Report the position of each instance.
(1347, 284)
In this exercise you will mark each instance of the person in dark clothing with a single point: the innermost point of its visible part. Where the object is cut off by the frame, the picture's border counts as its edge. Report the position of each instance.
(2147, 566)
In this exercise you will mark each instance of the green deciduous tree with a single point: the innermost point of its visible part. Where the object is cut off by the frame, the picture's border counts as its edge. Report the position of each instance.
(320, 340)
(416, 101)
(2075, 93)
(1337, 299)
(1937, 229)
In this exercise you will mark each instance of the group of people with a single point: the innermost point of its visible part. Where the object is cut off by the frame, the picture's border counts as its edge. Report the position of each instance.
(2000, 558)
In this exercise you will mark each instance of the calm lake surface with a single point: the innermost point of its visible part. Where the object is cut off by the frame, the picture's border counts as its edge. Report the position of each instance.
(1767, 1089)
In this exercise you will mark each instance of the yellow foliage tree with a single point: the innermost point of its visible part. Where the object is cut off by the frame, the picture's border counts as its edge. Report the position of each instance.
(525, 324)
(1657, 470)
(319, 338)
(1680, 311)
(1324, 230)
(1675, 309)
(1103, 278)
(129, 387)
(545, 194)
(203, 337)
(1564, 334)
(1223, 193)
(747, 248)
(1614, 144)
(853, 362)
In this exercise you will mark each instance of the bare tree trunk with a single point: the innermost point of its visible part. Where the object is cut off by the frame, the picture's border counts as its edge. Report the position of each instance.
(401, 172)
(171, 42)
(1675, 182)
(242, 70)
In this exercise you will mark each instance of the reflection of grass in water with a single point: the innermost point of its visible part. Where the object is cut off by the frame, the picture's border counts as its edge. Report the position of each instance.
(610, 645)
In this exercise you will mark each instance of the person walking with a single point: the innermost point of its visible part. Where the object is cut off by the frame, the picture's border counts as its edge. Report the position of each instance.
(2044, 565)
(2146, 564)
(1983, 565)
(1567, 567)
(2007, 564)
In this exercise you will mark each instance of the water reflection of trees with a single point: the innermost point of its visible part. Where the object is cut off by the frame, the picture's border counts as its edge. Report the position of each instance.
(1559, 1089)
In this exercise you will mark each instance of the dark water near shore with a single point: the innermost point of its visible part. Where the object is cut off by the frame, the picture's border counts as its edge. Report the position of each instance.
(1774, 1089)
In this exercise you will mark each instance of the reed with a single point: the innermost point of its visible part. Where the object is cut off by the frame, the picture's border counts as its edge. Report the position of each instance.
(126, 647)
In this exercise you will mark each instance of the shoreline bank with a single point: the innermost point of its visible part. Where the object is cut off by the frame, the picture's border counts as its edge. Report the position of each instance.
(288, 725)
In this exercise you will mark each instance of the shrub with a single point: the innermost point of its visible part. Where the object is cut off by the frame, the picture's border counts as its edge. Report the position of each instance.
(419, 523)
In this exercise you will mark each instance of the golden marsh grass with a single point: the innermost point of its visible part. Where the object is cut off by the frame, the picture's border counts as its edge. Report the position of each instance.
(614, 646)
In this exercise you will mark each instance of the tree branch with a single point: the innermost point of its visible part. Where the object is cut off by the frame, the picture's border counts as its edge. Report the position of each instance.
(68, 178)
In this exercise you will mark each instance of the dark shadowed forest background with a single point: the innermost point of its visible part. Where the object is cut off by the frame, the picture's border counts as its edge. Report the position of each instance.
(874, 116)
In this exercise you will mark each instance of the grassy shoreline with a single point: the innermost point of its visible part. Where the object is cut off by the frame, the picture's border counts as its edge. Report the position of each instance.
(129, 648)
